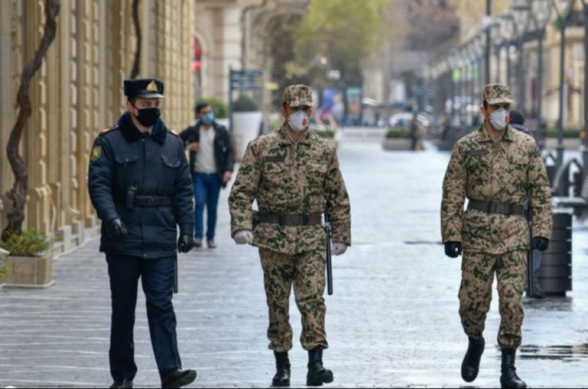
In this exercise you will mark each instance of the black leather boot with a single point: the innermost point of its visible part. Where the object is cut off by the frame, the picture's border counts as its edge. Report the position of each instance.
(124, 384)
(317, 374)
(509, 378)
(471, 362)
(178, 378)
(282, 377)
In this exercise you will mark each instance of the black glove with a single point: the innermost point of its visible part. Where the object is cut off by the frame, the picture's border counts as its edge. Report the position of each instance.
(116, 229)
(185, 244)
(453, 249)
(540, 243)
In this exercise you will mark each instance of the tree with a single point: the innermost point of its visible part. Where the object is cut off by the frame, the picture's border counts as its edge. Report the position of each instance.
(433, 23)
(18, 193)
(342, 31)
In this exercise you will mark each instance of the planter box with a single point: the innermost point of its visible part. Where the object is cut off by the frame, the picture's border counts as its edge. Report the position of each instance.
(569, 144)
(245, 129)
(398, 144)
(28, 272)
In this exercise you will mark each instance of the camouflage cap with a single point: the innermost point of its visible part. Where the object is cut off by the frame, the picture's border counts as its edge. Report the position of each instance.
(497, 94)
(297, 96)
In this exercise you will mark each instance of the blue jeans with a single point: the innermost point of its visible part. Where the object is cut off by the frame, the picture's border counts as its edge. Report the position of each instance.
(206, 190)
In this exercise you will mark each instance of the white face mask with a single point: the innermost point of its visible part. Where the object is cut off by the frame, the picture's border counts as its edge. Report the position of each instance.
(499, 119)
(299, 121)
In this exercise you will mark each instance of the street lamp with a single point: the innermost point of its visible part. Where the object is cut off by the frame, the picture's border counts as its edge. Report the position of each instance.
(563, 12)
(585, 151)
(497, 41)
(452, 61)
(520, 12)
(507, 29)
(540, 15)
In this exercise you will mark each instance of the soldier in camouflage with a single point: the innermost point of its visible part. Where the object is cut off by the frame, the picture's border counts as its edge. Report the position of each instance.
(498, 170)
(291, 173)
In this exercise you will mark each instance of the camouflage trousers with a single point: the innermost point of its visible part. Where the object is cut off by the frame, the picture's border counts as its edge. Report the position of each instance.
(307, 273)
(475, 294)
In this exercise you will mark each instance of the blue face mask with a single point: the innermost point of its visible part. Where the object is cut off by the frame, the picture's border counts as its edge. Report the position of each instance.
(208, 118)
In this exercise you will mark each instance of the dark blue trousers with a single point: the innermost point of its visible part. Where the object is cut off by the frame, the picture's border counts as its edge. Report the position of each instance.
(157, 277)
(207, 189)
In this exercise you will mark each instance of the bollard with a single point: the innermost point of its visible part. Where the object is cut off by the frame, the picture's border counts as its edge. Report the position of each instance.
(555, 276)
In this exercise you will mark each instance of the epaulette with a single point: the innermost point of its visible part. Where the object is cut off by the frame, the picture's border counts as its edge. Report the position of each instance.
(173, 133)
(109, 130)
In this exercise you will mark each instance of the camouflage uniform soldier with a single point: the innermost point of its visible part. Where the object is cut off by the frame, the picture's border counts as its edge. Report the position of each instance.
(498, 169)
(291, 172)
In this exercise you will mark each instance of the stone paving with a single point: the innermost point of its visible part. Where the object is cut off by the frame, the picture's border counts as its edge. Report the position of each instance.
(392, 322)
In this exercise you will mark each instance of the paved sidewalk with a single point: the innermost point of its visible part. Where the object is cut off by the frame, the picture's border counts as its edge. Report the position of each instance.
(392, 322)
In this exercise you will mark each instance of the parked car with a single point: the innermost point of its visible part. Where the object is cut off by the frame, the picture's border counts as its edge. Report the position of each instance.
(403, 119)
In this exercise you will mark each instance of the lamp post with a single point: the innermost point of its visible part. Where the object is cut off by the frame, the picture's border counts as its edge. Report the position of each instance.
(497, 42)
(453, 75)
(585, 143)
(520, 12)
(507, 29)
(488, 37)
(563, 12)
(540, 15)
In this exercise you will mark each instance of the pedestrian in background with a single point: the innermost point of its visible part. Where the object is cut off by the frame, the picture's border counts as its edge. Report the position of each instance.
(211, 165)
(139, 183)
(497, 169)
(414, 129)
(291, 173)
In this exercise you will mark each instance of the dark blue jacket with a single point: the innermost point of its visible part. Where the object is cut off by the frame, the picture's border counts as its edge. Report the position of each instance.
(122, 157)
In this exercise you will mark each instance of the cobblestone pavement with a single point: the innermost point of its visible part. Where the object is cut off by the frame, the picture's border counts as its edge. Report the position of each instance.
(392, 322)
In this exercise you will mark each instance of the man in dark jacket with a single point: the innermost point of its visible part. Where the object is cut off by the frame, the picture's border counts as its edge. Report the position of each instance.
(211, 165)
(139, 183)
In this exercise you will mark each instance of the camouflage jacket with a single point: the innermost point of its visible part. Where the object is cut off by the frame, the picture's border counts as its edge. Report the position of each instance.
(510, 171)
(288, 179)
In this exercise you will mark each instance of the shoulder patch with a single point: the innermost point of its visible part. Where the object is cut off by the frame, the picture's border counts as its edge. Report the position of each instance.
(109, 130)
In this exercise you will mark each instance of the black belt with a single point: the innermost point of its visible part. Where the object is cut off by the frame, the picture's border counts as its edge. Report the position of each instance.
(148, 201)
(291, 220)
(497, 208)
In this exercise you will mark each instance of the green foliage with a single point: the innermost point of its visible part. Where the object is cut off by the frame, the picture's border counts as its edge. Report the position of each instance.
(398, 133)
(29, 243)
(245, 104)
(324, 132)
(569, 133)
(221, 111)
(344, 32)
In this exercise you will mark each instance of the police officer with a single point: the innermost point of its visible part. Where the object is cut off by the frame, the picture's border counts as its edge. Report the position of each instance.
(291, 172)
(140, 185)
(498, 169)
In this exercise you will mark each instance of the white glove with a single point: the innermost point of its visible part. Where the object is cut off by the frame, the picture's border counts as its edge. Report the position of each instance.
(338, 248)
(243, 237)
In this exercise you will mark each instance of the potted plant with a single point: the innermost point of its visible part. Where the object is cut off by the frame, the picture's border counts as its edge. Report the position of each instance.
(29, 262)
(329, 133)
(246, 123)
(397, 139)
(3, 255)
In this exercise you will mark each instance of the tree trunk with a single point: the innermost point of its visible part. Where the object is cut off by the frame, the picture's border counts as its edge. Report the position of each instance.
(18, 193)
(137, 62)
